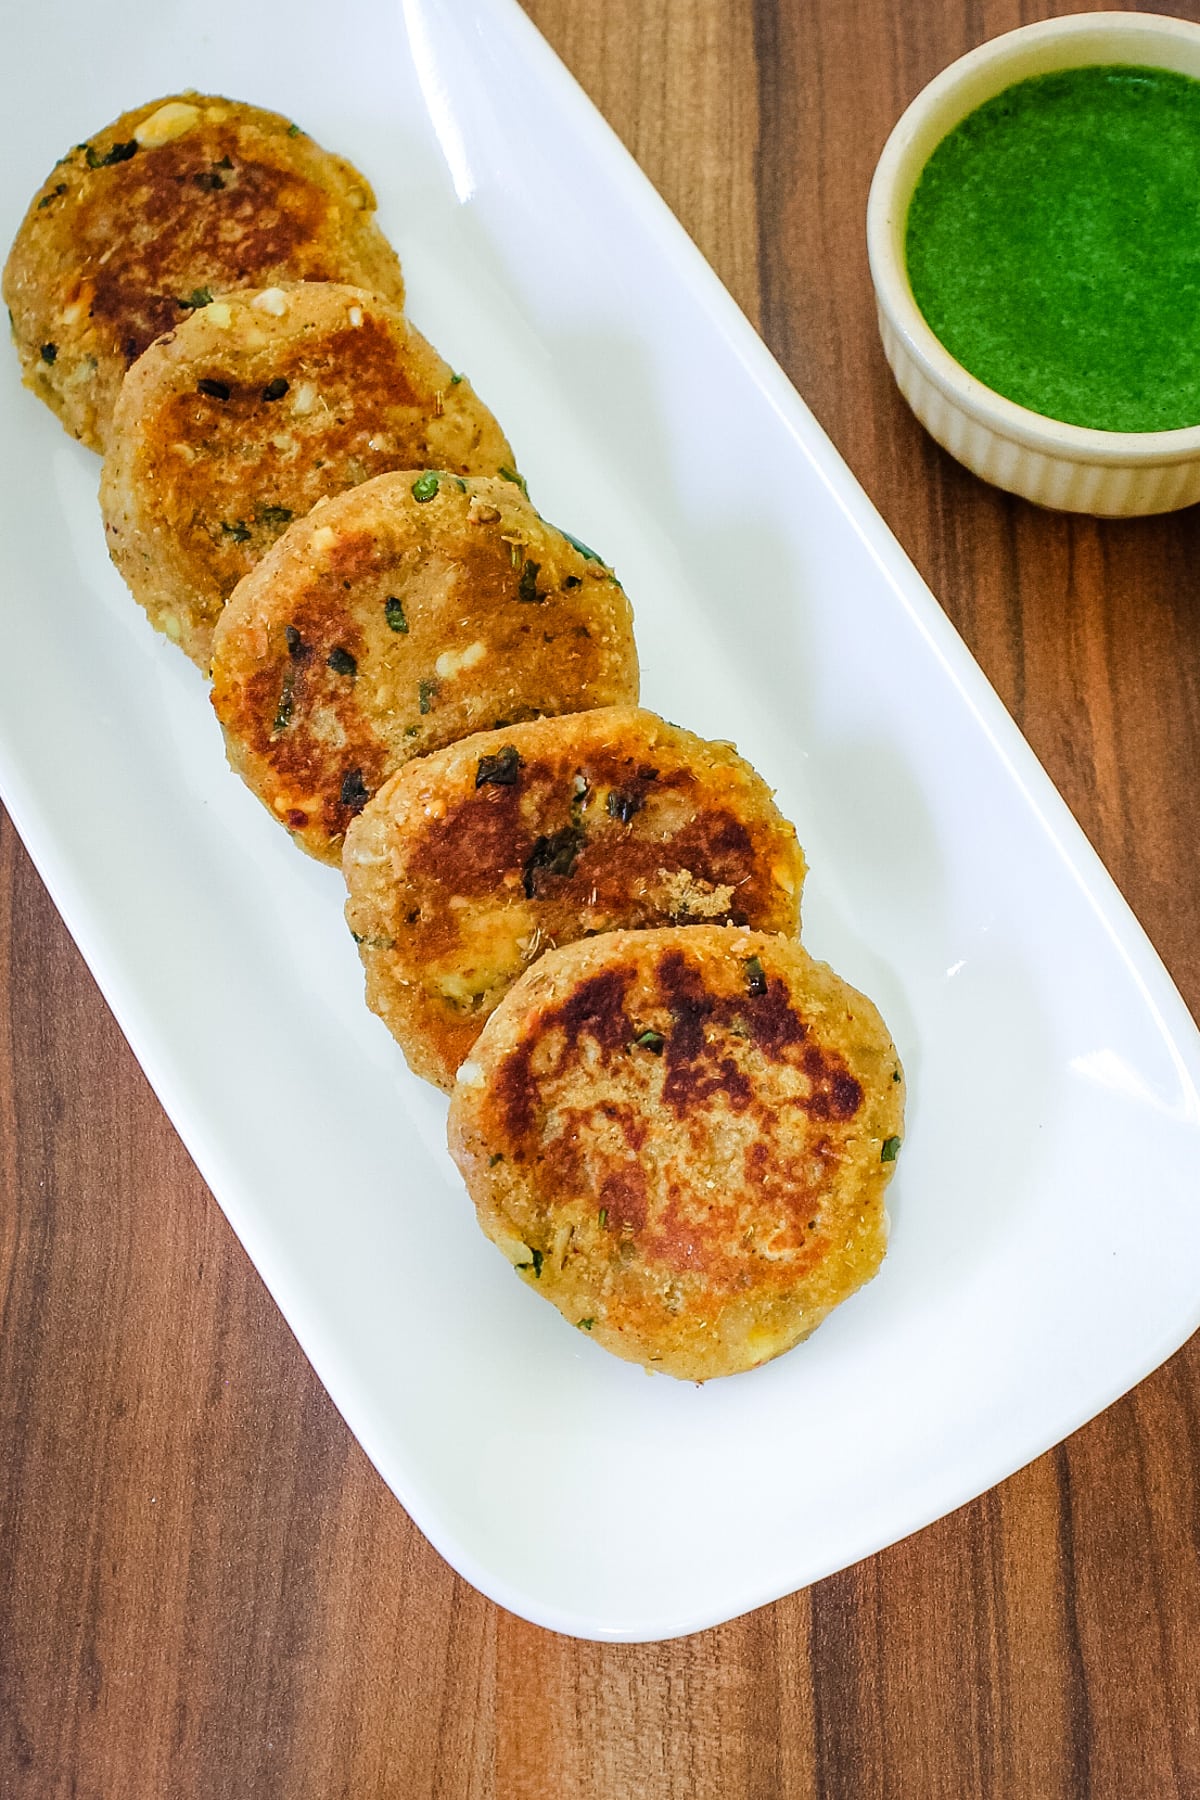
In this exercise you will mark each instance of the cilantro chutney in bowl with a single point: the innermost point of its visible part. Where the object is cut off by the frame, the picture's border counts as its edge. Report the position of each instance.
(1053, 245)
(1034, 235)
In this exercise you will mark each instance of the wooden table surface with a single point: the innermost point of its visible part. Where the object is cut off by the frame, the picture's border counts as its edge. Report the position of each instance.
(204, 1589)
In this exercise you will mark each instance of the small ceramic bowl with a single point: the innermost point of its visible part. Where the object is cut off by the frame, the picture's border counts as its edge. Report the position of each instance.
(1065, 466)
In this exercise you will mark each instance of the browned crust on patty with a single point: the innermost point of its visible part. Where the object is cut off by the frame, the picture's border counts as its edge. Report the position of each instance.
(385, 625)
(682, 1139)
(123, 235)
(470, 862)
(251, 411)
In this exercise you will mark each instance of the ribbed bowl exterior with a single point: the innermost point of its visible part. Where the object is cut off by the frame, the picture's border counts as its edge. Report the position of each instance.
(1064, 483)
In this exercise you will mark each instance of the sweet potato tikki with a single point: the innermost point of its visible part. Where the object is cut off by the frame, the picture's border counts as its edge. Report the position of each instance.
(397, 618)
(250, 412)
(179, 200)
(682, 1139)
(469, 863)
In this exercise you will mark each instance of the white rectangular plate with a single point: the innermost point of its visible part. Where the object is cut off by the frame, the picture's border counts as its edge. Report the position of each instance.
(1046, 1237)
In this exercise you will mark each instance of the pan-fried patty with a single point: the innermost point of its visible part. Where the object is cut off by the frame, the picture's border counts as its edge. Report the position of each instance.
(415, 610)
(468, 863)
(254, 409)
(682, 1138)
(178, 200)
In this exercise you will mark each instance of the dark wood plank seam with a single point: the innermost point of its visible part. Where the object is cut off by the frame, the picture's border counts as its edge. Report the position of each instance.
(1079, 1709)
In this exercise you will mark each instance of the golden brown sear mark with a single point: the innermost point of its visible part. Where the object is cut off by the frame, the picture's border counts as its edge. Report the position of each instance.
(480, 857)
(389, 622)
(176, 203)
(200, 209)
(697, 1033)
(684, 1136)
(252, 411)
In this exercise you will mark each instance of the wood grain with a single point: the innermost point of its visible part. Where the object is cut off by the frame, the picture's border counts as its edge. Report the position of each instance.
(204, 1589)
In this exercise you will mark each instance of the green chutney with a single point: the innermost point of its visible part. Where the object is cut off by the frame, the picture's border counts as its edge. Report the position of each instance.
(1053, 245)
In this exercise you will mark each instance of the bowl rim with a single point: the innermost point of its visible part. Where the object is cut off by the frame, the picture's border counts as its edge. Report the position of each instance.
(891, 185)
